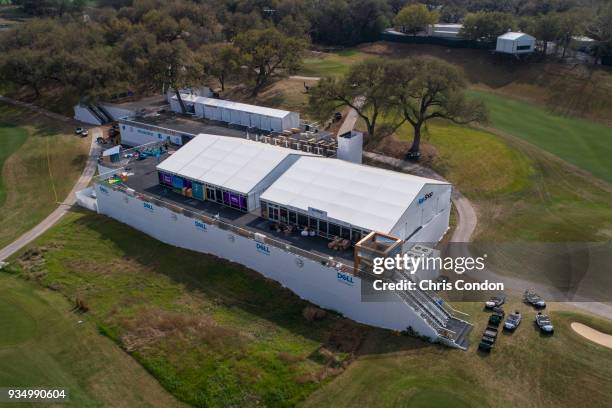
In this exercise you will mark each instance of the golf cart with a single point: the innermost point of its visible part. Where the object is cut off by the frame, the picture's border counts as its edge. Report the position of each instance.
(513, 320)
(544, 323)
(488, 339)
(534, 299)
(495, 301)
(496, 317)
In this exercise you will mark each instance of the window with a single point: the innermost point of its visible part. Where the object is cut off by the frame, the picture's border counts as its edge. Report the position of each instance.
(334, 230)
(219, 195)
(523, 47)
(345, 233)
(312, 223)
(323, 227)
(283, 214)
(210, 193)
(302, 220)
(292, 217)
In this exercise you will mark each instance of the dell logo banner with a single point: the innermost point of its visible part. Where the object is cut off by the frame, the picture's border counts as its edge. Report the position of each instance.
(200, 225)
(264, 249)
(103, 190)
(148, 206)
(346, 279)
(425, 197)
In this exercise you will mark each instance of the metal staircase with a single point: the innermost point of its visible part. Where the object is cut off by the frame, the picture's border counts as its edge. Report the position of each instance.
(452, 330)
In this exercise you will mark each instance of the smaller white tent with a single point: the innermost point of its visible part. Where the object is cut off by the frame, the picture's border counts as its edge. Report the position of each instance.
(515, 43)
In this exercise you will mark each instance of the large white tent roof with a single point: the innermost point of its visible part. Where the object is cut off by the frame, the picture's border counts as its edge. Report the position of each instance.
(242, 107)
(232, 163)
(363, 196)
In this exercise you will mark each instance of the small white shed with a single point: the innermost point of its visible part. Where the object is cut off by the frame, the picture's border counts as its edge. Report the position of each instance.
(515, 43)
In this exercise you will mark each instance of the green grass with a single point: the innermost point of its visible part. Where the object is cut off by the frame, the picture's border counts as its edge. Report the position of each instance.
(212, 332)
(520, 193)
(216, 334)
(582, 143)
(330, 64)
(40, 160)
(42, 344)
(525, 369)
(11, 139)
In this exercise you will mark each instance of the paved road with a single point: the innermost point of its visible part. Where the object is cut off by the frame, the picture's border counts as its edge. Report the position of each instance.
(304, 78)
(82, 182)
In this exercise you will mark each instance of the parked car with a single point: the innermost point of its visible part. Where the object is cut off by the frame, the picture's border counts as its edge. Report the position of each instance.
(513, 320)
(496, 318)
(544, 323)
(84, 133)
(78, 131)
(534, 299)
(337, 116)
(495, 301)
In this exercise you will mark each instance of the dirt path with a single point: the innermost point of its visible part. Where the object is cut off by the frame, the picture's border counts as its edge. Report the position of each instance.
(82, 182)
(595, 336)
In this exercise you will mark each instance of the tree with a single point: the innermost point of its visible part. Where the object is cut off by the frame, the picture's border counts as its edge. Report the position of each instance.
(600, 29)
(570, 25)
(365, 88)
(221, 61)
(268, 52)
(486, 26)
(547, 28)
(414, 18)
(429, 88)
(173, 64)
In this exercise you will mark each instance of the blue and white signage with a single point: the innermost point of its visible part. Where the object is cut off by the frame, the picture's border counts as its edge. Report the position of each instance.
(345, 278)
(264, 249)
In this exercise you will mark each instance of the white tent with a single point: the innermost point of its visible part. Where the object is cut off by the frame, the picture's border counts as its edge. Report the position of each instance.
(236, 113)
(515, 43)
(233, 164)
(350, 194)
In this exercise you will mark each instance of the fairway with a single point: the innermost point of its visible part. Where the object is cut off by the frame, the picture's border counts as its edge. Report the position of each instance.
(584, 144)
(42, 343)
(11, 139)
(40, 160)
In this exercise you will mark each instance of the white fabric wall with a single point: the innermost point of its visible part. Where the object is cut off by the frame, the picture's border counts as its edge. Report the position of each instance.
(135, 136)
(435, 210)
(83, 114)
(312, 281)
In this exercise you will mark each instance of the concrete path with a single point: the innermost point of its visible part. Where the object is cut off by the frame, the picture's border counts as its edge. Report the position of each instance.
(82, 182)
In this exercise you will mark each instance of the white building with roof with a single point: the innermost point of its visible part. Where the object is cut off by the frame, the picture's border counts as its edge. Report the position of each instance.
(227, 170)
(343, 199)
(515, 43)
(236, 113)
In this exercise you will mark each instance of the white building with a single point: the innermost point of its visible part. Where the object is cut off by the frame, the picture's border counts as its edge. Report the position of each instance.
(329, 198)
(515, 43)
(236, 113)
(444, 30)
(344, 199)
(227, 170)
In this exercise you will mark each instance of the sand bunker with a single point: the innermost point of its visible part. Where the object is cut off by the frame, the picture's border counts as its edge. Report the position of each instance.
(594, 335)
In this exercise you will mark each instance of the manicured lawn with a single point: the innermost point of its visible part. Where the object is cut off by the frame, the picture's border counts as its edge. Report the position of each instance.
(216, 334)
(40, 160)
(330, 64)
(525, 369)
(42, 344)
(11, 139)
(212, 333)
(582, 143)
